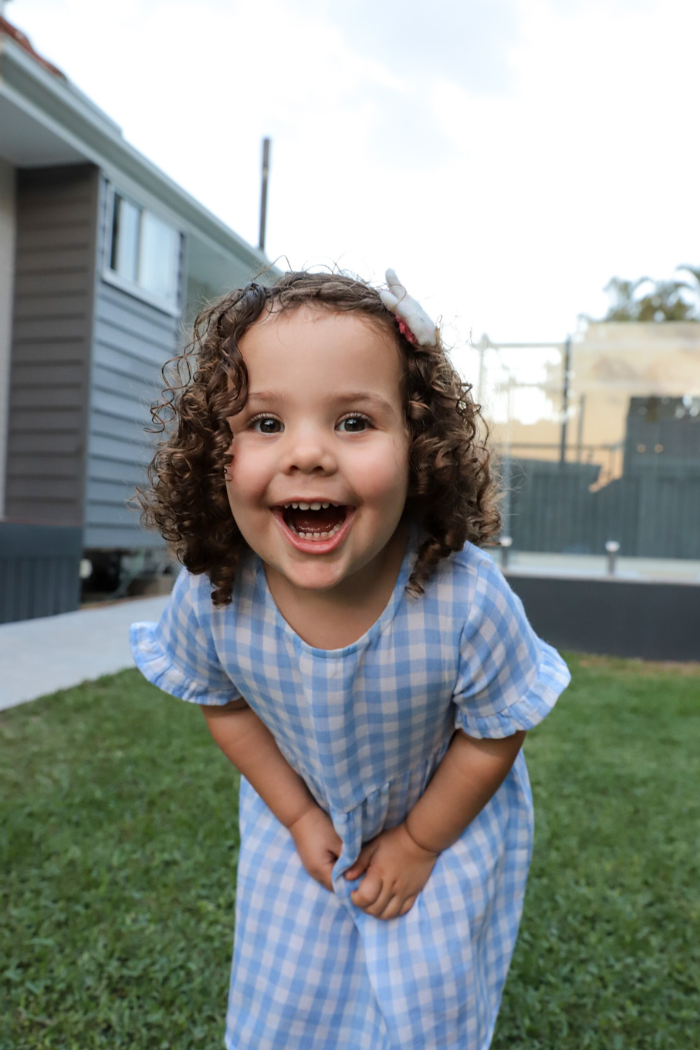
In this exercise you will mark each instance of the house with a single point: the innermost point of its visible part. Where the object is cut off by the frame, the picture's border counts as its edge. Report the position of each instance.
(102, 257)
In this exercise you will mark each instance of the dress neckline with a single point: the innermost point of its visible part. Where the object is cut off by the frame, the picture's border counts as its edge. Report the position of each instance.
(398, 594)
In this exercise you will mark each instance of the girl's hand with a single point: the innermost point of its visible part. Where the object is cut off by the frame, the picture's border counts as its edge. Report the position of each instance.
(395, 871)
(317, 843)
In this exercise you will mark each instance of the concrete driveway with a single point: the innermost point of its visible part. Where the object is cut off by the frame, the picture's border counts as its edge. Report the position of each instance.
(55, 652)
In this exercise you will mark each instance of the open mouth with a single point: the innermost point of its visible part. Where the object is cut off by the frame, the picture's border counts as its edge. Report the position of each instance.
(315, 521)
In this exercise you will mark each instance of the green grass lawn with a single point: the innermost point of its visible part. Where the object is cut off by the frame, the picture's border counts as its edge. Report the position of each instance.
(118, 853)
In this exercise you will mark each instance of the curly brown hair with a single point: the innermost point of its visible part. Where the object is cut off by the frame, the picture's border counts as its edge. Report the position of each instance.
(451, 489)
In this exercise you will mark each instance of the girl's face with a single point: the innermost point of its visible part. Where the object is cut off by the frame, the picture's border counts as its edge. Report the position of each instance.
(319, 476)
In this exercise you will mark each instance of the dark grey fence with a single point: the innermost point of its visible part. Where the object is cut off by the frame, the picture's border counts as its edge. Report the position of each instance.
(39, 570)
(653, 510)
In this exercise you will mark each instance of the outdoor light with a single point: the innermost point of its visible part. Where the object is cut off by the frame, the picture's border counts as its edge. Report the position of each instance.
(506, 543)
(612, 547)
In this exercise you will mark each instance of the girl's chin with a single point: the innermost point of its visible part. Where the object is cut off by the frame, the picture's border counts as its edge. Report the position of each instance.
(312, 579)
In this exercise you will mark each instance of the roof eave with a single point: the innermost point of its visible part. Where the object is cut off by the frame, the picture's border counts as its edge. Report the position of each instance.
(71, 116)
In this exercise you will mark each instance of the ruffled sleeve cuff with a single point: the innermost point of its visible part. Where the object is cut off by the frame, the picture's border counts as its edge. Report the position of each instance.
(158, 667)
(552, 679)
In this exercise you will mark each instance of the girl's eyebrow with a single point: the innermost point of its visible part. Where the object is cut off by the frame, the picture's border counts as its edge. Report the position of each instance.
(362, 397)
(366, 398)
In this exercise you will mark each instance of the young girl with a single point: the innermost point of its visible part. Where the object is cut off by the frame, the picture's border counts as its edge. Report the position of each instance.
(358, 658)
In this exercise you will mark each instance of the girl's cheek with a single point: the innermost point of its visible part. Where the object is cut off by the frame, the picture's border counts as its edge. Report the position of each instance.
(389, 470)
(246, 480)
(388, 490)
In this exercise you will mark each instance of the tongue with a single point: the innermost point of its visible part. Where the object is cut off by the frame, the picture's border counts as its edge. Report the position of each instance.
(315, 520)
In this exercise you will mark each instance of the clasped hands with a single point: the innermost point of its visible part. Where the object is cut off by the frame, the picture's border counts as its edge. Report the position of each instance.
(393, 866)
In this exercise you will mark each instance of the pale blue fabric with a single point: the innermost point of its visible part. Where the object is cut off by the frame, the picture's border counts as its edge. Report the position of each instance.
(366, 727)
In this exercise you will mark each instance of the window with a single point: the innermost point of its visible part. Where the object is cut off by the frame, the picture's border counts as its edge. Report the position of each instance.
(145, 252)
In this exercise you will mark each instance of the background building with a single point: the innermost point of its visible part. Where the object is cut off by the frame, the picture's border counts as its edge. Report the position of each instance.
(614, 453)
(102, 259)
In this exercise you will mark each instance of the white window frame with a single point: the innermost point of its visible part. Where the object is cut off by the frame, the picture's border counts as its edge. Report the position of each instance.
(169, 306)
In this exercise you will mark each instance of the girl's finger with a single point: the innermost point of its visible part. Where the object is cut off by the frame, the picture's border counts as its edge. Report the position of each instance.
(360, 865)
(381, 903)
(368, 891)
(407, 905)
(356, 870)
(392, 909)
(323, 876)
(386, 892)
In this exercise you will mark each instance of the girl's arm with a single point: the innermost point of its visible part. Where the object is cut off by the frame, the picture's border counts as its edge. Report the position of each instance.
(398, 862)
(251, 747)
(468, 777)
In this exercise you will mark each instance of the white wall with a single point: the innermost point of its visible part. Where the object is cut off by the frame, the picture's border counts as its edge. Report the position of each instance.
(7, 264)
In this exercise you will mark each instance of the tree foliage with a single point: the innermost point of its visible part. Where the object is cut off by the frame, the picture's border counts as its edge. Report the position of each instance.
(655, 301)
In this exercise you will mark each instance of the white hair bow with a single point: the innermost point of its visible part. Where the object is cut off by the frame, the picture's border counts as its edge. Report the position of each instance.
(413, 320)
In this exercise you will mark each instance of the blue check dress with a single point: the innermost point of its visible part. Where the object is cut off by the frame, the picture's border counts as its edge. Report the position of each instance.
(366, 727)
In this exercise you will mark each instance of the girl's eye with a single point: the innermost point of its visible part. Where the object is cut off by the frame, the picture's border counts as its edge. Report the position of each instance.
(354, 424)
(266, 425)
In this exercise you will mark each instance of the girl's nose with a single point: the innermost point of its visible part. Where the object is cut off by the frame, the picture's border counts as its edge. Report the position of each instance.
(309, 452)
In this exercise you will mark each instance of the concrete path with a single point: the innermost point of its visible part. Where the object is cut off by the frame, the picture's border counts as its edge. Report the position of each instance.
(56, 652)
(540, 563)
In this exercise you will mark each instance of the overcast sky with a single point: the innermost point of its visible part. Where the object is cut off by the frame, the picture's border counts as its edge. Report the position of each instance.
(506, 157)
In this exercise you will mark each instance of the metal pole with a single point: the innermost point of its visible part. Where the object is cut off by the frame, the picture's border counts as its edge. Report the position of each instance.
(565, 399)
(507, 464)
(579, 436)
(612, 548)
(506, 544)
(263, 192)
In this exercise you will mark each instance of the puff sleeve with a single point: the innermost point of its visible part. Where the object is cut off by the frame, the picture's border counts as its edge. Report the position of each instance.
(508, 679)
(178, 654)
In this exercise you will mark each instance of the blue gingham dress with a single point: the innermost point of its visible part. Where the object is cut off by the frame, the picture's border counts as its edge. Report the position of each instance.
(366, 726)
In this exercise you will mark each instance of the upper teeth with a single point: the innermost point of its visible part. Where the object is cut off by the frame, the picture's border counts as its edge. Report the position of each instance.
(306, 506)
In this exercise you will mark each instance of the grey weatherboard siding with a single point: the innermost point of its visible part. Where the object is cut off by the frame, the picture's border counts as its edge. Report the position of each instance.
(86, 365)
(131, 341)
(51, 342)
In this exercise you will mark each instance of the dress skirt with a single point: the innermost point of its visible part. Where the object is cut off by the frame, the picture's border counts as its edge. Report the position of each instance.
(313, 972)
